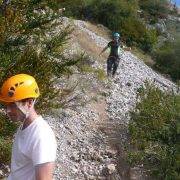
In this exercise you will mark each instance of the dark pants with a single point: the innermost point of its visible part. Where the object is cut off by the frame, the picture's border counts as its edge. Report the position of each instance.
(112, 65)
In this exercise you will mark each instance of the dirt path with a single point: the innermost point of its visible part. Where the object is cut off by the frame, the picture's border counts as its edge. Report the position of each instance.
(114, 133)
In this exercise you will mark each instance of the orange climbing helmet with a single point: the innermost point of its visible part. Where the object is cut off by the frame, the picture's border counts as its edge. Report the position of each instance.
(19, 87)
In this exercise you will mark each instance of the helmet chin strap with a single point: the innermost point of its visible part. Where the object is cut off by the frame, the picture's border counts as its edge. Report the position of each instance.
(24, 111)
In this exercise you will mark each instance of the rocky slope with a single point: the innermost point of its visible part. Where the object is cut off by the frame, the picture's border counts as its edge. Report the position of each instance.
(91, 137)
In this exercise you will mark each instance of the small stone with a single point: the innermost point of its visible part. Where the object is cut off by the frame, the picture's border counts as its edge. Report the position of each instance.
(111, 152)
(74, 170)
(135, 173)
(89, 177)
(57, 137)
(75, 157)
(69, 142)
(111, 168)
(1, 173)
(102, 178)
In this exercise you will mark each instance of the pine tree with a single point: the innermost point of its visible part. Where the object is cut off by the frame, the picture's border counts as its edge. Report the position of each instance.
(32, 39)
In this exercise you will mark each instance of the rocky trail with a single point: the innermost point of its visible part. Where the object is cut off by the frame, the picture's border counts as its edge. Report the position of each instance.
(91, 138)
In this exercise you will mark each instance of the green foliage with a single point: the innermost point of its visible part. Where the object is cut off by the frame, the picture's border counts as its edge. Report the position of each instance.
(122, 16)
(154, 132)
(5, 150)
(110, 13)
(32, 51)
(100, 74)
(117, 15)
(7, 130)
(84, 66)
(154, 9)
(74, 8)
(137, 34)
(29, 44)
(168, 59)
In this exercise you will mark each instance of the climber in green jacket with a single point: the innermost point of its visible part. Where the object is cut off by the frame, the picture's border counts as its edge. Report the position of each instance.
(114, 56)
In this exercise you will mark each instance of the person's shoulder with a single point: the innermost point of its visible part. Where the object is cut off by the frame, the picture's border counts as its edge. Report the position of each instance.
(43, 128)
(110, 43)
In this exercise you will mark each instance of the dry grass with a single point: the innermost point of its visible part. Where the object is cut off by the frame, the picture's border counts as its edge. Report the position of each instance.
(86, 43)
(144, 57)
(99, 29)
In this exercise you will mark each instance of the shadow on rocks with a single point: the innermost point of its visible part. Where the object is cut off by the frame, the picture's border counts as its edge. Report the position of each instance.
(118, 141)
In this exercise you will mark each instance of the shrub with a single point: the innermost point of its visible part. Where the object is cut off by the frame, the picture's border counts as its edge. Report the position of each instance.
(84, 66)
(136, 33)
(154, 130)
(112, 13)
(28, 44)
(7, 129)
(5, 149)
(118, 15)
(167, 59)
(155, 8)
(74, 8)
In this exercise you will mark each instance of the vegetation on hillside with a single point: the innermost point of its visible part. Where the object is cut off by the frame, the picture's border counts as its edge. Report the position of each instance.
(155, 131)
(29, 44)
(128, 17)
(135, 20)
(168, 59)
(118, 15)
(154, 9)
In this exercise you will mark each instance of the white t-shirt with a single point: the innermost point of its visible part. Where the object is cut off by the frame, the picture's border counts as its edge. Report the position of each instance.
(34, 145)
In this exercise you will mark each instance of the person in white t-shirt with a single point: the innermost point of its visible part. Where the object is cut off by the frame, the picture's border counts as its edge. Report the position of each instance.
(34, 146)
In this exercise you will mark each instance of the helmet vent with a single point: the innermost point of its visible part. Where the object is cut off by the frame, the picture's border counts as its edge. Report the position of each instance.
(18, 84)
(36, 91)
(10, 93)
(12, 89)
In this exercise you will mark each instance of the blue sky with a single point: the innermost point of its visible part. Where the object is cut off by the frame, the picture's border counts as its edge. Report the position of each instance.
(177, 2)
